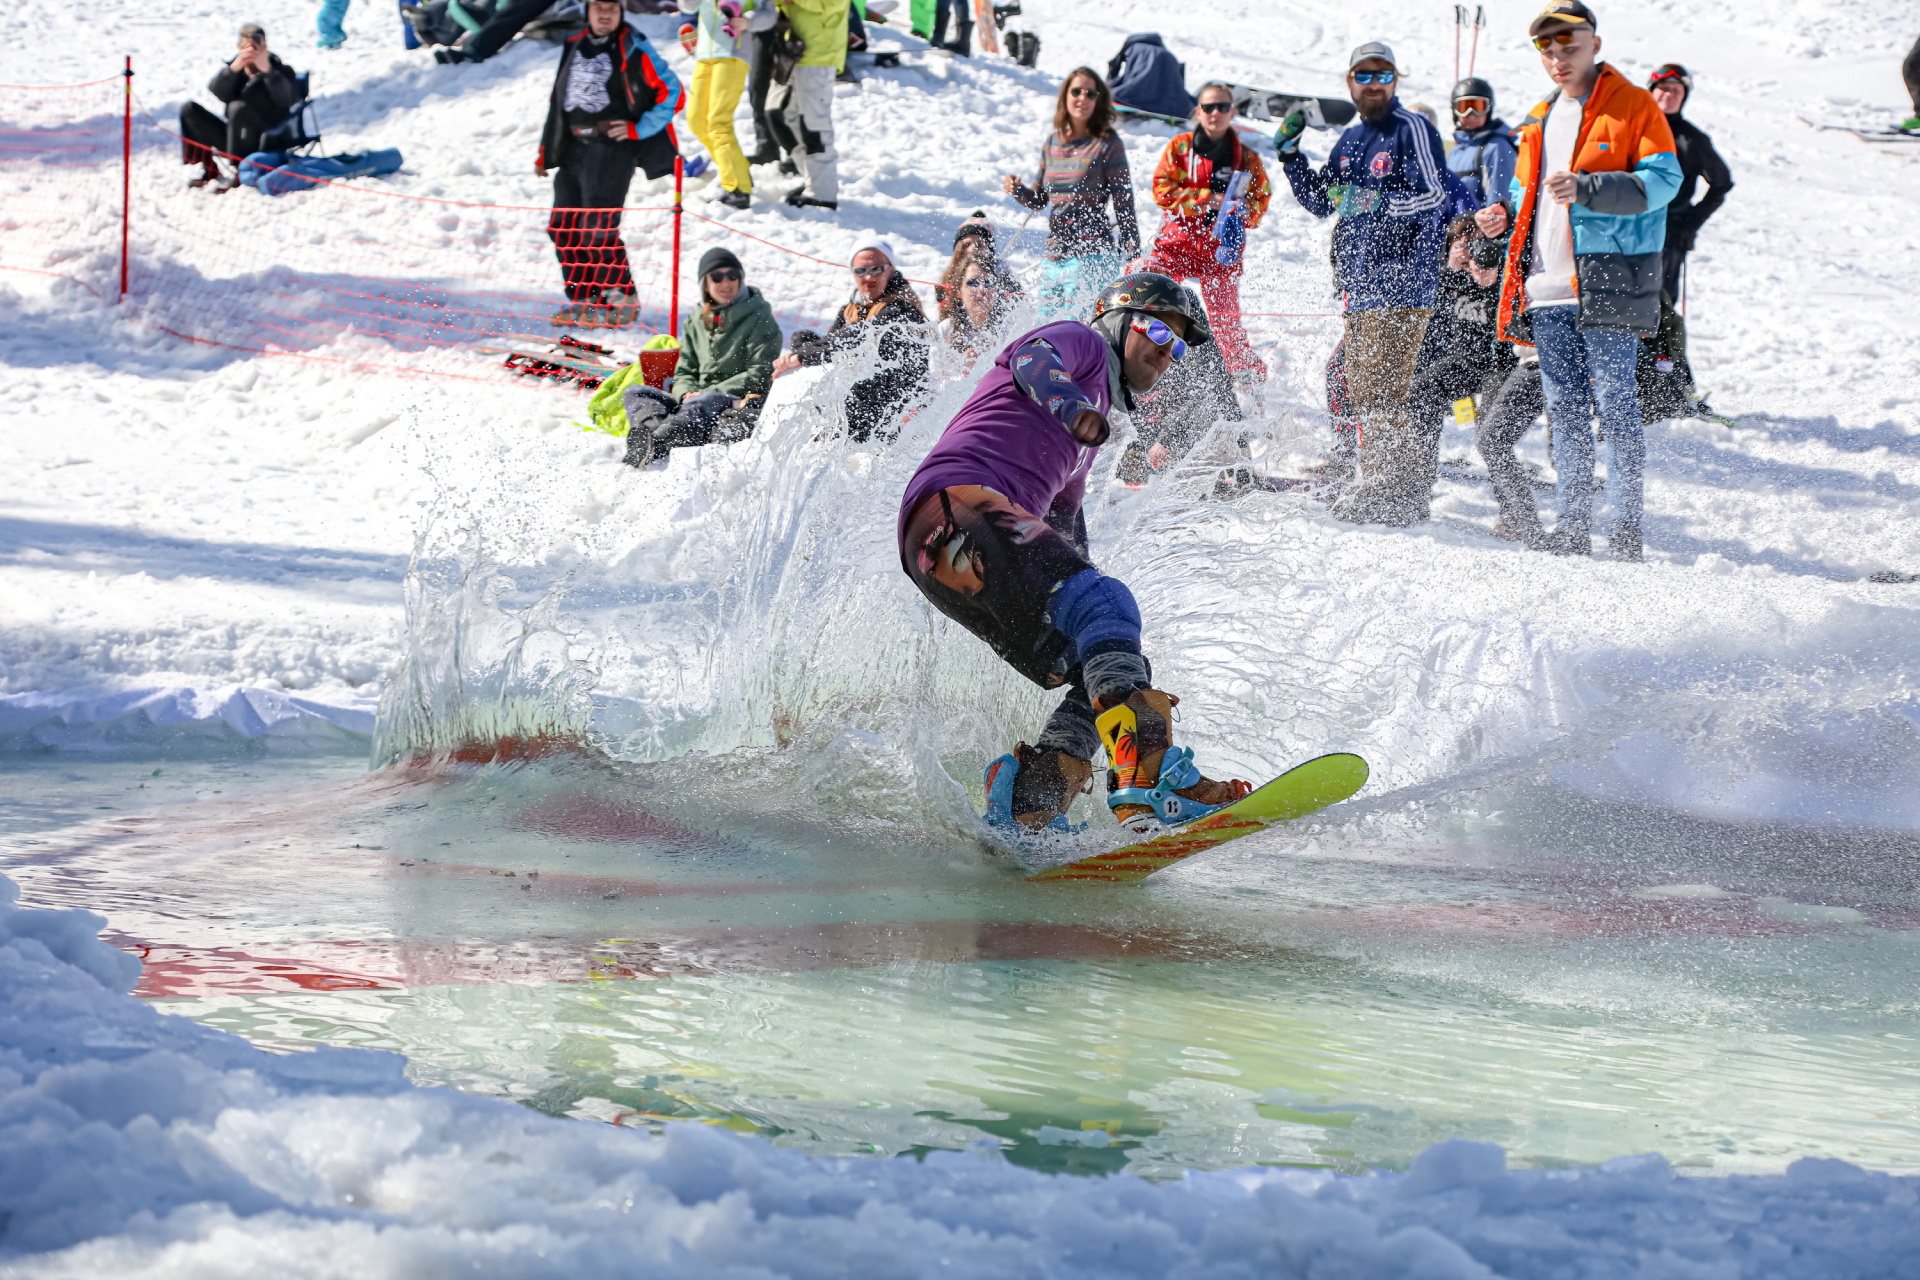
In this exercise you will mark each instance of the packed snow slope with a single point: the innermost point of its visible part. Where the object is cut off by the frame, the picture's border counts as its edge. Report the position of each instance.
(145, 1145)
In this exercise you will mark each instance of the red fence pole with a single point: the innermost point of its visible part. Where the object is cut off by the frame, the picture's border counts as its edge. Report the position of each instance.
(126, 173)
(673, 318)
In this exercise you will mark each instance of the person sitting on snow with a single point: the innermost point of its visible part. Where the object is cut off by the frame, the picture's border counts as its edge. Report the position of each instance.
(725, 368)
(992, 534)
(259, 91)
(612, 102)
(885, 308)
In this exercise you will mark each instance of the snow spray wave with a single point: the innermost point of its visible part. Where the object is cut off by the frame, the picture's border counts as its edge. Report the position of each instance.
(750, 598)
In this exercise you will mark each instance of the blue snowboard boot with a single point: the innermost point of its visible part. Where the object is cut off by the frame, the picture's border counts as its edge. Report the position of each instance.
(1028, 792)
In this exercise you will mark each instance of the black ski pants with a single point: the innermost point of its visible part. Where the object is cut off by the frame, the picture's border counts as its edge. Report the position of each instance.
(1509, 414)
(588, 192)
(238, 135)
(759, 81)
(503, 26)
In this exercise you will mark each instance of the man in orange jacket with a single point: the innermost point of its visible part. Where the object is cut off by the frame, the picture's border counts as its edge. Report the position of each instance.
(1583, 265)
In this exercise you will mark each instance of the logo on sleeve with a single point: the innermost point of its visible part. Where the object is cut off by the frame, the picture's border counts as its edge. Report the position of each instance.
(1381, 164)
(1022, 362)
(1053, 405)
(1060, 375)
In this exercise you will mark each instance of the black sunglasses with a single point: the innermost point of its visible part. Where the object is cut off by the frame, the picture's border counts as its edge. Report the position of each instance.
(722, 275)
(1214, 108)
(1077, 92)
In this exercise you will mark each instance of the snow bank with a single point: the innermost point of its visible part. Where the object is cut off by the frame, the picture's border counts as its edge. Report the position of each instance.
(183, 721)
(139, 1144)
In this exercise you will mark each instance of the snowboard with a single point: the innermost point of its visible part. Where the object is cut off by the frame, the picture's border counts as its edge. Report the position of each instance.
(1885, 134)
(1273, 105)
(569, 360)
(1301, 790)
(985, 29)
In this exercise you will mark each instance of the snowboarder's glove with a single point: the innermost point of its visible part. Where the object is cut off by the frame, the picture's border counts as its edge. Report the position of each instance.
(730, 19)
(1286, 139)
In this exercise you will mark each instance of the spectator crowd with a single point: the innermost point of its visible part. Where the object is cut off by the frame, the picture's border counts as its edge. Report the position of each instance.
(1510, 272)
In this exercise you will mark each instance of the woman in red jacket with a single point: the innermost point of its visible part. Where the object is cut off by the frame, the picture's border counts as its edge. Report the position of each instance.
(1189, 184)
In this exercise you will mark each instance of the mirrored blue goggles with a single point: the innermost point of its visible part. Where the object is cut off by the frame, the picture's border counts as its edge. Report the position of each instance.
(1160, 333)
(1374, 77)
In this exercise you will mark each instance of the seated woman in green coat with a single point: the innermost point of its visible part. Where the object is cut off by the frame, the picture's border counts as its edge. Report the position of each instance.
(727, 352)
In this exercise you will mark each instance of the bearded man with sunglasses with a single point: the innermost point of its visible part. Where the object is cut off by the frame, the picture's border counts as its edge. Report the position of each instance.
(991, 532)
(1387, 182)
(1587, 209)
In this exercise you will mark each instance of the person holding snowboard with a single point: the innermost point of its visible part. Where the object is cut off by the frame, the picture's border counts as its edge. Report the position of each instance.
(991, 532)
(1583, 276)
(1484, 151)
(1083, 170)
(1189, 184)
(1386, 182)
(611, 111)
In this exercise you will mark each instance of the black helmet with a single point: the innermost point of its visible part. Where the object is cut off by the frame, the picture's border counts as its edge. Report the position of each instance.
(1472, 87)
(1151, 291)
(1672, 71)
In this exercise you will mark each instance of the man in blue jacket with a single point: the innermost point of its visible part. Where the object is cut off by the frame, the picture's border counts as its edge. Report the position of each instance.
(611, 112)
(1388, 182)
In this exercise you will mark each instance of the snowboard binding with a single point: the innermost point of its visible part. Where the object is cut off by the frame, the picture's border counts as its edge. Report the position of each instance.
(1000, 778)
(1177, 772)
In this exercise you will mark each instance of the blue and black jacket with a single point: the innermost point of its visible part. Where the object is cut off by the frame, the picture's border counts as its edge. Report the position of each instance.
(1484, 161)
(1387, 182)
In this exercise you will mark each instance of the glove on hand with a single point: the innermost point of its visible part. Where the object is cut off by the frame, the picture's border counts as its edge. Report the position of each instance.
(1286, 139)
(730, 15)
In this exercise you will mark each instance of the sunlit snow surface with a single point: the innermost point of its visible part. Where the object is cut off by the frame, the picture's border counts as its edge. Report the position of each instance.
(1634, 873)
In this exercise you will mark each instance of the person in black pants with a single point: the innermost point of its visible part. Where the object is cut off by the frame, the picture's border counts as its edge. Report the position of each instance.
(1671, 86)
(1511, 403)
(612, 101)
(960, 12)
(504, 25)
(258, 89)
(1458, 355)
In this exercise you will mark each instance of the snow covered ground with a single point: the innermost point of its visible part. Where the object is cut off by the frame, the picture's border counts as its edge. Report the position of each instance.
(211, 548)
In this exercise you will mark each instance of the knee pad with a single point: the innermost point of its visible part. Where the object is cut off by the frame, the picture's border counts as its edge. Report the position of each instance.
(1090, 608)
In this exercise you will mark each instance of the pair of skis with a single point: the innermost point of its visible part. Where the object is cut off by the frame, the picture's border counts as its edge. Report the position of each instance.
(1888, 133)
(1460, 24)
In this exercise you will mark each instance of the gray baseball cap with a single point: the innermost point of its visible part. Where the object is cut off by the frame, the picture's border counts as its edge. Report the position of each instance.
(1373, 49)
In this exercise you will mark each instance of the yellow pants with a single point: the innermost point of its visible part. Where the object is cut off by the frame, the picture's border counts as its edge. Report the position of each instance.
(717, 84)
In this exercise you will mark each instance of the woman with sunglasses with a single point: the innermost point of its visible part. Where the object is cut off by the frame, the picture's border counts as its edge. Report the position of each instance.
(991, 532)
(884, 308)
(726, 364)
(1189, 184)
(1083, 171)
(973, 302)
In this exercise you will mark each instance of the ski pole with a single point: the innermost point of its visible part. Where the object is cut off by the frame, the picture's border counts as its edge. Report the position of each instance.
(1473, 50)
(1459, 21)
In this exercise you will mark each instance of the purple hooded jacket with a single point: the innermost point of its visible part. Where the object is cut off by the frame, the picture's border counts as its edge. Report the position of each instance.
(1007, 439)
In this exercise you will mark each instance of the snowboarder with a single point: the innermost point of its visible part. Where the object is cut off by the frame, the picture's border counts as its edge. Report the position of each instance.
(1189, 184)
(610, 112)
(258, 90)
(1583, 264)
(1083, 169)
(1483, 152)
(991, 532)
(1386, 182)
(719, 77)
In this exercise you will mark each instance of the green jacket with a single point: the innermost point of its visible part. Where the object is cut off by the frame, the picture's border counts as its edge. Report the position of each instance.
(823, 25)
(736, 357)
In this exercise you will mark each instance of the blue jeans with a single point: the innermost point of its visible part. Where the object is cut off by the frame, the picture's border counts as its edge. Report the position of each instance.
(332, 23)
(1578, 367)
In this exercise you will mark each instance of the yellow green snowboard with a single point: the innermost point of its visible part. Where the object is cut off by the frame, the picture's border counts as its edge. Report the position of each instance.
(1301, 790)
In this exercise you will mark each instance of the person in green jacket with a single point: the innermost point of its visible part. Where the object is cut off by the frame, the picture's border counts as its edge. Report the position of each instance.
(727, 351)
(808, 98)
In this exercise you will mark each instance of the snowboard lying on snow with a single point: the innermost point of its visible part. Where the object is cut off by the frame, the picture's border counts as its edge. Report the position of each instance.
(1887, 133)
(568, 359)
(1301, 790)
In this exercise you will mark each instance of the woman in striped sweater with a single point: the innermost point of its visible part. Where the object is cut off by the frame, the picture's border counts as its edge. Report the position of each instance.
(1083, 170)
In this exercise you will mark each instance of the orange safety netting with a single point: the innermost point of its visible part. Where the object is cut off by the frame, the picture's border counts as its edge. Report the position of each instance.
(345, 271)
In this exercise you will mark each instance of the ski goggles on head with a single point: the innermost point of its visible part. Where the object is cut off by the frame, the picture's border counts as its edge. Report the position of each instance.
(1160, 334)
(1467, 106)
(1374, 77)
(1672, 71)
